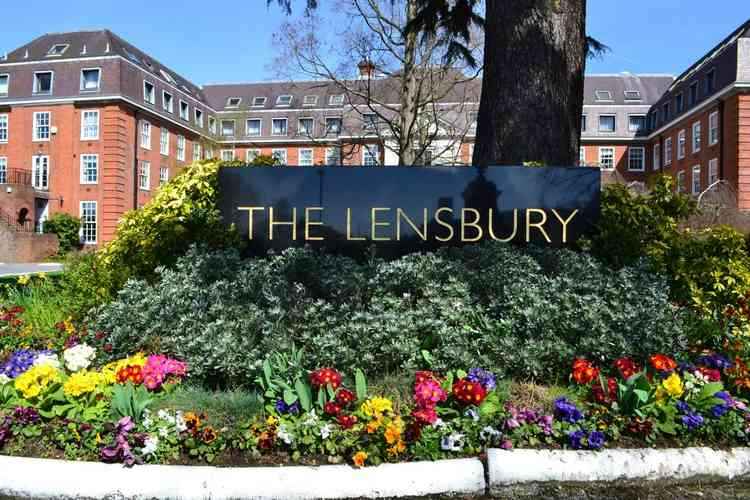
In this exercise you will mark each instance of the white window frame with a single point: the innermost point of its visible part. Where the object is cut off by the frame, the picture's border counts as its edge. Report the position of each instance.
(98, 80)
(336, 155)
(280, 153)
(52, 53)
(667, 151)
(167, 104)
(631, 150)
(227, 105)
(340, 126)
(164, 141)
(260, 127)
(581, 156)
(144, 175)
(614, 124)
(259, 102)
(696, 168)
(696, 135)
(3, 169)
(186, 107)
(181, 147)
(4, 128)
(310, 100)
(630, 123)
(336, 100)
(368, 158)
(40, 173)
(713, 128)
(197, 151)
(163, 175)
(85, 163)
(234, 128)
(251, 154)
(7, 84)
(681, 144)
(680, 184)
(212, 125)
(88, 129)
(145, 134)
(283, 97)
(36, 127)
(35, 87)
(309, 133)
(286, 127)
(312, 157)
(602, 150)
(146, 96)
(230, 157)
(370, 122)
(198, 115)
(86, 222)
(657, 156)
(713, 171)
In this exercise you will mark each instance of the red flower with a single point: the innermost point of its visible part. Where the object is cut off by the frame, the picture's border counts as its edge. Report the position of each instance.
(627, 367)
(662, 363)
(332, 408)
(423, 376)
(345, 397)
(425, 415)
(584, 372)
(107, 347)
(100, 335)
(712, 374)
(346, 421)
(325, 376)
(598, 392)
(469, 393)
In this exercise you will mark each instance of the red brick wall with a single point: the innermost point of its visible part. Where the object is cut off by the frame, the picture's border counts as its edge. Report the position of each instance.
(742, 162)
(591, 150)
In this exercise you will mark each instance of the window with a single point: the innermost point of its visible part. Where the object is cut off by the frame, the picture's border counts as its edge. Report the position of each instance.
(253, 127)
(679, 102)
(4, 84)
(426, 157)
(581, 156)
(278, 126)
(696, 180)
(40, 172)
(667, 111)
(280, 156)
(196, 151)
(632, 95)
(210, 153)
(305, 126)
(167, 102)
(89, 125)
(310, 100)
(3, 128)
(710, 82)
(333, 155)
(227, 128)
(163, 175)
(89, 169)
(713, 171)
(43, 82)
(637, 159)
(145, 135)
(227, 155)
(693, 93)
(167, 77)
(713, 128)
(88, 222)
(180, 148)
(657, 156)
(583, 123)
(184, 111)
(336, 100)
(603, 95)
(212, 124)
(164, 142)
(370, 155)
(41, 126)
(681, 181)
(199, 117)
(636, 123)
(667, 151)
(3, 169)
(90, 79)
(57, 50)
(306, 158)
(233, 102)
(607, 158)
(681, 145)
(696, 137)
(144, 175)
(284, 100)
(370, 121)
(149, 94)
(333, 125)
(607, 123)
(259, 102)
(251, 155)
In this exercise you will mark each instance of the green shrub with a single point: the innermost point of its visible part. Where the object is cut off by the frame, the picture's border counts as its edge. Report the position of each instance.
(67, 228)
(526, 314)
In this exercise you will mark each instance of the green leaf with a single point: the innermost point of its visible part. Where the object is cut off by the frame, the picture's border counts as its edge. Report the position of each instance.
(289, 397)
(360, 384)
(304, 394)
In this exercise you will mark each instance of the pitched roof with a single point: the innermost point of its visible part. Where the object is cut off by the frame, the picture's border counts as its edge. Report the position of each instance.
(649, 88)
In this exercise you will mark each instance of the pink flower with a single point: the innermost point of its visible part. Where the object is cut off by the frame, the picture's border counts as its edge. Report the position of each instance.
(428, 393)
(158, 367)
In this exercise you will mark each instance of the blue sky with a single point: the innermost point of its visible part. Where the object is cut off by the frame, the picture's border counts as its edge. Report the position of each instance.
(231, 40)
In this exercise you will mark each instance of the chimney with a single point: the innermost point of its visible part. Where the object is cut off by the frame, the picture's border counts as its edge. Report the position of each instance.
(366, 69)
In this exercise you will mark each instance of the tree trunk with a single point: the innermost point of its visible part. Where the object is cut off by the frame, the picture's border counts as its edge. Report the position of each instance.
(409, 107)
(532, 90)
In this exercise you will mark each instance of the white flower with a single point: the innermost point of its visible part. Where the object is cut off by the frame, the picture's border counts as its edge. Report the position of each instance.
(163, 432)
(439, 424)
(150, 445)
(325, 431)
(47, 359)
(310, 419)
(163, 415)
(284, 435)
(147, 422)
(452, 442)
(79, 357)
(488, 433)
(473, 413)
(4, 379)
(179, 422)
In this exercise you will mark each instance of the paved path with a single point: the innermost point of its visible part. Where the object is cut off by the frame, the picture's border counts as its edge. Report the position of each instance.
(19, 269)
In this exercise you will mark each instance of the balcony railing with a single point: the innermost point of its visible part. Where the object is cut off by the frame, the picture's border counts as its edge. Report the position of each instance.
(26, 226)
(15, 176)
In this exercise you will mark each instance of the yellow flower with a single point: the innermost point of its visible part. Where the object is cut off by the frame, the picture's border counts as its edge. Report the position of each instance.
(673, 385)
(83, 382)
(36, 379)
(376, 406)
(271, 420)
(110, 370)
(397, 448)
(359, 458)
(373, 426)
(393, 432)
(24, 279)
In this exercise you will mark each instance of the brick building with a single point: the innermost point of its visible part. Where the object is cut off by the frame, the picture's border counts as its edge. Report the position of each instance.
(91, 126)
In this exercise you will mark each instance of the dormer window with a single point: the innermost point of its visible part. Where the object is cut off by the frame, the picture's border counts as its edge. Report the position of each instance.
(603, 95)
(310, 100)
(167, 77)
(336, 100)
(4, 84)
(259, 102)
(184, 111)
(149, 94)
(233, 102)
(284, 100)
(199, 117)
(43, 82)
(167, 102)
(57, 50)
(632, 95)
(90, 79)
(132, 56)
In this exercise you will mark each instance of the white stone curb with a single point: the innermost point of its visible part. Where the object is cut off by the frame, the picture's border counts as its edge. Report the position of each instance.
(39, 478)
(519, 467)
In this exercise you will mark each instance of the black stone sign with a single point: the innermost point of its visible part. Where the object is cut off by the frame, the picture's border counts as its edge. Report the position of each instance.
(397, 210)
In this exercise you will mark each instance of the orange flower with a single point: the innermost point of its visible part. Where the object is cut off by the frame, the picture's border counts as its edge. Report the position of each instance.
(662, 363)
(359, 458)
(392, 434)
(373, 426)
(209, 435)
(397, 448)
(192, 421)
(584, 372)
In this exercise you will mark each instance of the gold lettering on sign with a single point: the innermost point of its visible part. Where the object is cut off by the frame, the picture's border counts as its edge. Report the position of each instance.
(374, 223)
(349, 236)
(538, 225)
(272, 223)
(515, 228)
(250, 211)
(474, 224)
(309, 223)
(565, 223)
(400, 213)
(444, 224)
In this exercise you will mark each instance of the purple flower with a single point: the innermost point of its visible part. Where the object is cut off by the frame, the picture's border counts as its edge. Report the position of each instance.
(566, 411)
(282, 407)
(685, 367)
(716, 361)
(719, 411)
(683, 407)
(18, 362)
(576, 438)
(25, 416)
(507, 444)
(5, 432)
(596, 440)
(120, 450)
(692, 421)
(483, 377)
